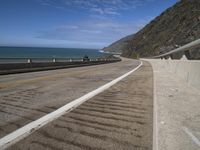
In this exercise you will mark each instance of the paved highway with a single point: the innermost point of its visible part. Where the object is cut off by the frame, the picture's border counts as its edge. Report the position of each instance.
(120, 117)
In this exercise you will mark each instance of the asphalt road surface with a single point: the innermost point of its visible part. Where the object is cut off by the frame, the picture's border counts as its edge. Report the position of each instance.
(119, 118)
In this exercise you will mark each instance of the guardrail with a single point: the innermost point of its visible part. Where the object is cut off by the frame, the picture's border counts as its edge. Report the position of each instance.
(43, 60)
(23, 65)
(179, 52)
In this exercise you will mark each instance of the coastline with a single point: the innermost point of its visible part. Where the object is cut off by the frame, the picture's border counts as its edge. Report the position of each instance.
(112, 53)
(41, 52)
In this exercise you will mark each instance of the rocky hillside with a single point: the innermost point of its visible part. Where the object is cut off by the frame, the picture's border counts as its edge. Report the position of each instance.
(119, 45)
(175, 27)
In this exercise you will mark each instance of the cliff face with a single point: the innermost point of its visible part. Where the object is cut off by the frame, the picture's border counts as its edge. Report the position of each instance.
(175, 27)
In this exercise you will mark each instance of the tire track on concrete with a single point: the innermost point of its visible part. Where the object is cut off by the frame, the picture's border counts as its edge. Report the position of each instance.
(117, 104)
(62, 140)
(116, 118)
(93, 126)
(117, 107)
(103, 124)
(26, 108)
(21, 116)
(108, 111)
(106, 117)
(46, 146)
(97, 136)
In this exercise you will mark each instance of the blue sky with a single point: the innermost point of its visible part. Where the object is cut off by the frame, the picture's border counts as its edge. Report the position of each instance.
(74, 23)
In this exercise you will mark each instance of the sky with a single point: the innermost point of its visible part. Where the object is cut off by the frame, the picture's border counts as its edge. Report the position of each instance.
(74, 23)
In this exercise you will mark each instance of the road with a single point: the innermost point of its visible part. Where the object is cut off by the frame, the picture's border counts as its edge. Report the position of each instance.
(119, 118)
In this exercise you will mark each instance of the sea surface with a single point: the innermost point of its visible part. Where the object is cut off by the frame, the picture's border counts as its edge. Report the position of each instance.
(38, 52)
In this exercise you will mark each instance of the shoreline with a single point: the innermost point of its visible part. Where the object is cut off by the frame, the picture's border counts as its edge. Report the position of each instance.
(112, 53)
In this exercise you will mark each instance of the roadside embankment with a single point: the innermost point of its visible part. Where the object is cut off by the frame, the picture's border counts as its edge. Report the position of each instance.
(176, 104)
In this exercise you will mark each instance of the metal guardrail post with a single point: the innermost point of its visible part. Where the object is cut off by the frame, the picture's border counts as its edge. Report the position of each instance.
(29, 61)
(54, 60)
(184, 49)
(188, 55)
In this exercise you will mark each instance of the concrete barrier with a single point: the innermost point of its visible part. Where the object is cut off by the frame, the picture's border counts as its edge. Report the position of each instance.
(188, 70)
(176, 104)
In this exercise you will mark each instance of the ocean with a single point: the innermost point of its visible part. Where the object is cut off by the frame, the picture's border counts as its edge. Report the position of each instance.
(40, 52)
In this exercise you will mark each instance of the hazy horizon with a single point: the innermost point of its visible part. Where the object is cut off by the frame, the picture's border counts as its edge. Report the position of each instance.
(35, 46)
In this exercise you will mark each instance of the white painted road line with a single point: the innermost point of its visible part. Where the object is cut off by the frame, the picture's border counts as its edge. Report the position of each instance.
(155, 115)
(191, 135)
(35, 125)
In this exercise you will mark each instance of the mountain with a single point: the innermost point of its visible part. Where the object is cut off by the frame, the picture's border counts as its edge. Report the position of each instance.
(120, 45)
(175, 27)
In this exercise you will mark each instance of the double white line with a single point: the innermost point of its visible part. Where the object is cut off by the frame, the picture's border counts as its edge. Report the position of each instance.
(35, 125)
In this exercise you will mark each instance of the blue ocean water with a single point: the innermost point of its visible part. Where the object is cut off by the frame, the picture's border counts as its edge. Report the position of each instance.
(40, 52)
